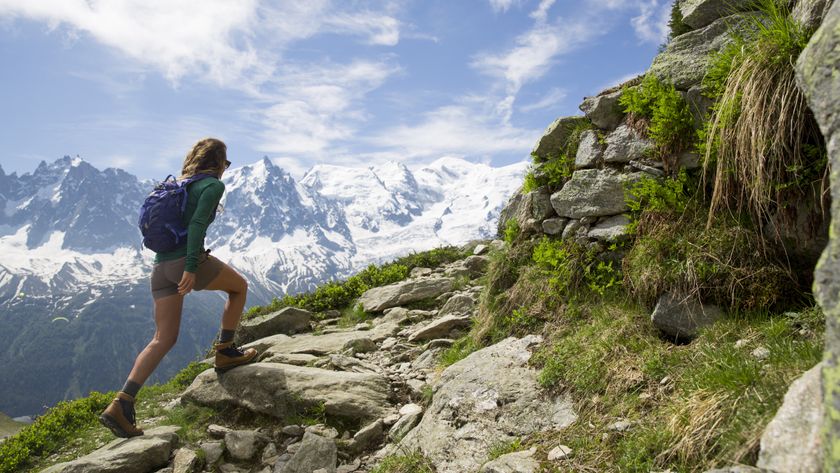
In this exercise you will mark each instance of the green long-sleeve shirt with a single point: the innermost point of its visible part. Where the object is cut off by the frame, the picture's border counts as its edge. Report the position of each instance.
(202, 198)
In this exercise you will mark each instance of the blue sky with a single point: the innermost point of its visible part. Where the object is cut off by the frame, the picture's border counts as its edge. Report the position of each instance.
(134, 83)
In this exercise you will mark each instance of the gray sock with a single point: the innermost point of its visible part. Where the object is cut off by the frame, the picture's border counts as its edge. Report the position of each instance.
(226, 336)
(131, 388)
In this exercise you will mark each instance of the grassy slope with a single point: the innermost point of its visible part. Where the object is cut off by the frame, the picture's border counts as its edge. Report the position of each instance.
(8, 426)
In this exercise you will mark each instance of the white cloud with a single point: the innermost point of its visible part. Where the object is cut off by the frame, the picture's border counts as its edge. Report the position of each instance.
(464, 129)
(541, 13)
(651, 25)
(551, 99)
(502, 5)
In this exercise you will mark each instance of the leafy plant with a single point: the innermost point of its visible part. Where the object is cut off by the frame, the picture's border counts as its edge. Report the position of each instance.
(512, 230)
(669, 122)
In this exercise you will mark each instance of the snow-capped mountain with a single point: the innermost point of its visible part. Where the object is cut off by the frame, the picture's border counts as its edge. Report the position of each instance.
(72, 269)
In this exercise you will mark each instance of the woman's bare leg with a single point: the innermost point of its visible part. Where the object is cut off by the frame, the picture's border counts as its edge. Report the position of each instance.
(235, 285)
(168, 324)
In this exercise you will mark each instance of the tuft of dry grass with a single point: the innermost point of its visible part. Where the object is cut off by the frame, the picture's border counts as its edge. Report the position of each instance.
(763, 150)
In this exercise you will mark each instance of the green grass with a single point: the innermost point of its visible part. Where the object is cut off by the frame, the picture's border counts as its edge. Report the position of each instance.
(340, 294)
(458, 351)
(711, 413)
(504, 448)
(412, 462)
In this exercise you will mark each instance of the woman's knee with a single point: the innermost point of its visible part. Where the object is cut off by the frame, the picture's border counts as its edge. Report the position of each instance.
(164, 343)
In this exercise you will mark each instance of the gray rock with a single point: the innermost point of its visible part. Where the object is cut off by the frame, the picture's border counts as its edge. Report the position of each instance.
(589, 150)
(603, 110)
(269, 454)
(315, 452)
(277, 390)
(212, 451)
(685, 59)
(288, 320)
(683, 317)
(406, 422)
(810, 13)
(574, 229)
(471, 266)
(761, 353)
(490, 397)
(610, 228)
(440, 328)
(559, 452)
(554, 226)
(516, 462)
(516, 208)
(791, 442)
(481, 249)
(698, 104)
(556, 136)
(818, 77)
(350, 363)
(419, 272)
(244, 445)
(625, 145)
(593, 193)
(217, 431)
(458, 304)
(322, 430)
(360, 345)
(688, 160)
(700, 13)
(378, 299)
(293, 430)
(142, 454)
(642, 166)
(185, 461)
(541, 203)
(369, 436)
(427, 360)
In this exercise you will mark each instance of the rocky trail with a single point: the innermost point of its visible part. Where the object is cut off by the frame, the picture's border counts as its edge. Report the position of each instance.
(370, 381)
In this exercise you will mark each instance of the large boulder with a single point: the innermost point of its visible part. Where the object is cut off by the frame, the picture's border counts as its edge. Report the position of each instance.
(556, 136)
(610, 228)
(288, 320)
(699, 13)
(817, 75)
(280, 390)
(490, 397)
(146, 453)
(593, 193)
(791, 442)
(682, 317)
(685, 59)
(441, 327)
(625, 145)
(378, 299)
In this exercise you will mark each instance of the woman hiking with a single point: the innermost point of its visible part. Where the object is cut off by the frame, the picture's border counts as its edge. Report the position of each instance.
(187, 268)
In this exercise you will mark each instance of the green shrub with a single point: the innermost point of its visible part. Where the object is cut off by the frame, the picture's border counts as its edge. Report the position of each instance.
(554, 169)
(670, 124)
(51, 430)
(340, 294)
(574, 269)
(665, 195)
(512, 230)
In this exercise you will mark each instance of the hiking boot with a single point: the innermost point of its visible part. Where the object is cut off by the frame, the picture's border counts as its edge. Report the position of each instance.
(229, 356)
(119, 416)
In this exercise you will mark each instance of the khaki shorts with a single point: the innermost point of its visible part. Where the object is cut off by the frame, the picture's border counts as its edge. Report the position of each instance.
(167, 274)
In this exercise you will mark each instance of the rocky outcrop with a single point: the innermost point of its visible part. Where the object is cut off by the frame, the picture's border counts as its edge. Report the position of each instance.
(282, 390)
(682, 317)
(488, 398)
(685, 59)
(791, 442)
(593, 193)
(143, 454)
(818, 74)
(378, 299)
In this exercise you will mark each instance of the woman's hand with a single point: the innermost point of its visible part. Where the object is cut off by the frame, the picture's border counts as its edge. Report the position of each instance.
(186, 284)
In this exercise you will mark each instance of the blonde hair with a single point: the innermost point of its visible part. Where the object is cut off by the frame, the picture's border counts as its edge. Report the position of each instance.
(207, 156)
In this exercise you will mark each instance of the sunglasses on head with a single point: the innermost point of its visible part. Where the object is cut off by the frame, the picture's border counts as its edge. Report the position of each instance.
(227, 164)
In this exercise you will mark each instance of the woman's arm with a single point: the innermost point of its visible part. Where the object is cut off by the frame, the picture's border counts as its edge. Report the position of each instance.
(197, 227)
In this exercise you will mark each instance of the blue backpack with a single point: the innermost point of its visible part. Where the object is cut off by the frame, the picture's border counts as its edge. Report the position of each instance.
(162, 213)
